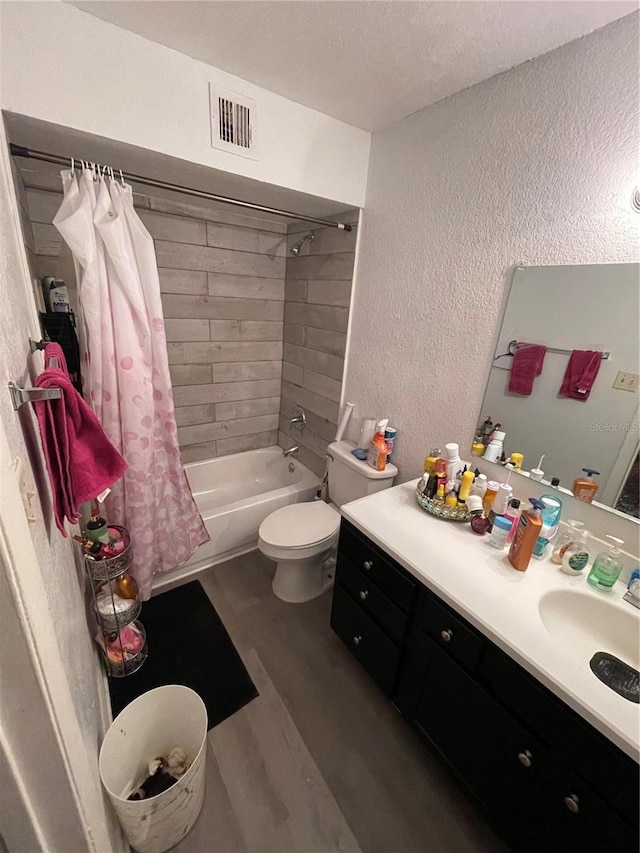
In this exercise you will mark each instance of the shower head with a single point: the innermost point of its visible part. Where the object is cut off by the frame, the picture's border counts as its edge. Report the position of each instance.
(295, 250)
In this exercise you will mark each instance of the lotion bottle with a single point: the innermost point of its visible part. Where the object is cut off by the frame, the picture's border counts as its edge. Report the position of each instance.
(527, 533)
(576, 555)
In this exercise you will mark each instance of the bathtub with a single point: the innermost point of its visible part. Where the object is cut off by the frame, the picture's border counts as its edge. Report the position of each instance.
(234, 495)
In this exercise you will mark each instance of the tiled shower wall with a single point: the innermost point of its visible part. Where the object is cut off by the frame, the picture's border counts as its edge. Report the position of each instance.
(222, 283)
(316, 316)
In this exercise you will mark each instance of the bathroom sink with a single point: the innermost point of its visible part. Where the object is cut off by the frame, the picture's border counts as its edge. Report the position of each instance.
(584, 624)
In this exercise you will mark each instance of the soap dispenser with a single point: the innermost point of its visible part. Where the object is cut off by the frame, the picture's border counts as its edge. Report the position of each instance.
(565, 539)
(576, 554)
(585, 488)
(606, 567)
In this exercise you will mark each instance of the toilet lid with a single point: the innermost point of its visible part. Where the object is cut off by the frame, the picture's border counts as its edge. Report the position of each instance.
(299, 525)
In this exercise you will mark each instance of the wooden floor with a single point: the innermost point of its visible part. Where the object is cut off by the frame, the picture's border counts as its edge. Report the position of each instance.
(320, 761)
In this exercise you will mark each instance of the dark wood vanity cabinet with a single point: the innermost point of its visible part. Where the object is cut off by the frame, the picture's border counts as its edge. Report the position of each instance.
(545, 778)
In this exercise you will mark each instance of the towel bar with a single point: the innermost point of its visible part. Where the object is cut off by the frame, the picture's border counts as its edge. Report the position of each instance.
(19, 396)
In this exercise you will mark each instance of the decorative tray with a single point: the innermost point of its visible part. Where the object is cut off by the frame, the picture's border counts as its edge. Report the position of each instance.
(440, 510)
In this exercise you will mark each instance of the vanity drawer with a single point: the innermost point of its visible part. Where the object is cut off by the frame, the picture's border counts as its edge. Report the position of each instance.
(612, 773)
(452, 633)
(377, 654)
(369, 597)
(376, 565)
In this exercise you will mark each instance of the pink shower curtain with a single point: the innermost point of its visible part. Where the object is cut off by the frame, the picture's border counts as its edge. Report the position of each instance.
(126, 370)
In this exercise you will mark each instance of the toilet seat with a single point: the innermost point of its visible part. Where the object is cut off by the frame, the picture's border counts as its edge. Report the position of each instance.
(300, 526)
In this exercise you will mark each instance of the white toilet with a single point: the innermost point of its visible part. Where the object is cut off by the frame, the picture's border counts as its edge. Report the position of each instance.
(302, 537)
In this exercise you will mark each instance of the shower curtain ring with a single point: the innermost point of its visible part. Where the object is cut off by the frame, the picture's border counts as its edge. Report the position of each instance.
(73, 168)
(121, 177)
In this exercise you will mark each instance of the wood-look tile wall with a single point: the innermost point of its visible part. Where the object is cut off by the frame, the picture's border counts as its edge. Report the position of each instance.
(316, 316)
(222, 284)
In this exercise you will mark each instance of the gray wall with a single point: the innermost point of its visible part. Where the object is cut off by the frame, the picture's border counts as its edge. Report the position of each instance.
(316, 315)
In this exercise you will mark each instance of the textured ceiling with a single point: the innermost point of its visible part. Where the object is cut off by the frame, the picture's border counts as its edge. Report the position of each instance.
(366, 63)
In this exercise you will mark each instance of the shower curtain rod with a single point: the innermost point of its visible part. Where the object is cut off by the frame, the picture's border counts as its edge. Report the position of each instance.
(31, 154)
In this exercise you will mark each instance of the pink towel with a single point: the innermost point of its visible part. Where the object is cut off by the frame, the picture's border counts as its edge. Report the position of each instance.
(527, 364)
(81, 460)
(580, 374)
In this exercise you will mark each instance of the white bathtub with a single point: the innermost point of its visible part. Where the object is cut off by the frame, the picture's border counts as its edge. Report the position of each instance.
(235, 494)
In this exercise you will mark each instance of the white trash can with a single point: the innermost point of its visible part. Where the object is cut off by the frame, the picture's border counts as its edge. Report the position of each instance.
(152, 725)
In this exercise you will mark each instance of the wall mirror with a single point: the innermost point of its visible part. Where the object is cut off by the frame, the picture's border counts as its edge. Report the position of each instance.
(565, 308)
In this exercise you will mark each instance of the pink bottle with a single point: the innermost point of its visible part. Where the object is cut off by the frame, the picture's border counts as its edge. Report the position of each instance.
(513, 514)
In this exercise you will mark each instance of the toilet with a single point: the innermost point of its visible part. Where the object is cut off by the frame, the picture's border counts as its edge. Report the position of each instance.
(302, 538)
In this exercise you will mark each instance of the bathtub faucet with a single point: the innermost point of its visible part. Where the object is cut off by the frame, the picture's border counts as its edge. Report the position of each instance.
(291, 451)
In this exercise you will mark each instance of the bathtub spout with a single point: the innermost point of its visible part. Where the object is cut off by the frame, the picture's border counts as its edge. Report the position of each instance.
(291, 451)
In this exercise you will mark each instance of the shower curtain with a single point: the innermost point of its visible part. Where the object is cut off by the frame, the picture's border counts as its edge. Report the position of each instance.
(126, 369)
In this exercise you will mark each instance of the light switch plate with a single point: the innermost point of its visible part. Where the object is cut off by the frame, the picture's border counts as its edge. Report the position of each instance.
(626, 381)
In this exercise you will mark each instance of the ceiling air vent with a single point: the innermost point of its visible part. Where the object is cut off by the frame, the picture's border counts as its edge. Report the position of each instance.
(233, 122)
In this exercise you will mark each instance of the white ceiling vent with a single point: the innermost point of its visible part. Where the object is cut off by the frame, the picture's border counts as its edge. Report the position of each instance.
(233, 122)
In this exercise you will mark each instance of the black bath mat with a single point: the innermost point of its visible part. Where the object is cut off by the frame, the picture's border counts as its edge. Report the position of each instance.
(189, 645)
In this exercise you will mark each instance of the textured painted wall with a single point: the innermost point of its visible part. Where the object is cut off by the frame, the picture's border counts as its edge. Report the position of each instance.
(535, 166)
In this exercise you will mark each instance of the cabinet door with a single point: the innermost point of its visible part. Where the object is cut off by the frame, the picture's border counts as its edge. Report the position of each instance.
(494, 756)
(568, 816)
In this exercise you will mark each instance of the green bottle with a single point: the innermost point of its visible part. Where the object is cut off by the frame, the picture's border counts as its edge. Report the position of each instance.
(606, 567)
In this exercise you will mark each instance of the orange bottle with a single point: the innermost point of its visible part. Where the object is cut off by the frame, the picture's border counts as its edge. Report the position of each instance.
(489, 495)
(585, 488)
(526, 536)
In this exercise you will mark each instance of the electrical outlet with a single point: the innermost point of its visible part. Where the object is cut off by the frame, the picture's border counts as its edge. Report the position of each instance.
(626, 381)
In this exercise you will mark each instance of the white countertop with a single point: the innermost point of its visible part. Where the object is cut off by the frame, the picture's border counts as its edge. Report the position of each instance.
(478, 582)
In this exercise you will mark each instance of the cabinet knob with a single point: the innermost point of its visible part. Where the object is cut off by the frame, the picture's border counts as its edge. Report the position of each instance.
(572, 802)
(446, 635)
(525, 758)
(364, 594)
(357, 640)
(368, 564)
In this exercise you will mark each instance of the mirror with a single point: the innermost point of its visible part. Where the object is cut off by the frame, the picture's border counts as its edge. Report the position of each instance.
(567, 308)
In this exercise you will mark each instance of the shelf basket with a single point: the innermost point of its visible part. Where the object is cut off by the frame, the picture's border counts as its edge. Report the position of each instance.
(112, 567)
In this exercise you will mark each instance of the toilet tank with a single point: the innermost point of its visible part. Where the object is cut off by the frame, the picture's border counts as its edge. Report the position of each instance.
(350, 479)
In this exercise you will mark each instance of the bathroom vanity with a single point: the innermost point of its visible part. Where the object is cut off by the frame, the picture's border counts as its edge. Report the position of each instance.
(467, 650)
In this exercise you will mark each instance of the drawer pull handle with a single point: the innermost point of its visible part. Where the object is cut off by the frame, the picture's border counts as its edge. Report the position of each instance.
(368, 564)
(525, 758)
(364, 594)
(572, 803)
(357, 640)
(447, 635)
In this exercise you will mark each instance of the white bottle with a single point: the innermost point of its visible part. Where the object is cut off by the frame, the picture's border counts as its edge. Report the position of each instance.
(479, 486)
(454, 463)
(59, 297)
(495, 447)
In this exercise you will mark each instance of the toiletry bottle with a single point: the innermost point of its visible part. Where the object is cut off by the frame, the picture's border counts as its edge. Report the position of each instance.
(489, 495)
(377, 456)
(499, 531)
(576, 555)
(501, 500)
(390, 436)
(465, 486)
(550, 521)
(477, 448)
(516, 460)
(59, 297)
(441, 471)
(513, 514)
(430, 461)
(439, 495)
(537, 473)
(454, 463)
(565, 539)
(607, 566)
(479, 523)
(527, 532)
(451, 500)
(423, 484)
(495, 447)
(96, 528)
(585, 488)
(479, 486)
